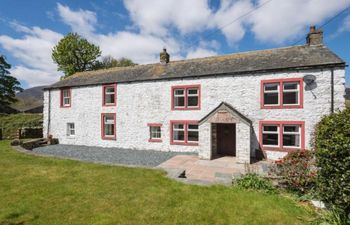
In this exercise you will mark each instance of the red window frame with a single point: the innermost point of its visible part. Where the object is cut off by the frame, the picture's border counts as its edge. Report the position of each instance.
(62, 105)
(185, 88)
(280, 124)
(104, 94)
(280, 93)
(103, 136)
(185, 123)
(154, 125)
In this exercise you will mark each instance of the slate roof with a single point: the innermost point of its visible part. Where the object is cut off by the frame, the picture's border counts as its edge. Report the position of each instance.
(295, 57)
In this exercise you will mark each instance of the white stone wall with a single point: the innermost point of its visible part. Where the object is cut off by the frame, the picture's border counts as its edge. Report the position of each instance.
(243, 149)
(139, 103)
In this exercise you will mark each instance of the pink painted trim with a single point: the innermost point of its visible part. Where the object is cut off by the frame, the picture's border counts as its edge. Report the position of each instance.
(61, 98)
(155, 140)
(154, 124)
(103, 137)
(280, 124)
(185, 123)
(186, 87)
(104, 94)
(280, 82)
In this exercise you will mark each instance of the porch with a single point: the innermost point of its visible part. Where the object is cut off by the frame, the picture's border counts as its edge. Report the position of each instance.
(220, 170)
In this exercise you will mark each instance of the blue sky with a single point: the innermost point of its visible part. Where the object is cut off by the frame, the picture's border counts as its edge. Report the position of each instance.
(139, 29)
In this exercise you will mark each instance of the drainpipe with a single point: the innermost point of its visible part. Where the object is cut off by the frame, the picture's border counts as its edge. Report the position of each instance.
(332, 90)
(49, 115)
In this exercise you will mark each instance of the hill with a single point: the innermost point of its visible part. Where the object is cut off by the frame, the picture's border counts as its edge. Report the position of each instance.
(29, 98)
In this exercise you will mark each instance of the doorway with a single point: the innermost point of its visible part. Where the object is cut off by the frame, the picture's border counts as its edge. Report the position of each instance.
(226, 139)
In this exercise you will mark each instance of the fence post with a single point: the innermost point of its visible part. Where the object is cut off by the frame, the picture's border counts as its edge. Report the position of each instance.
(19, 133)
(1, 133)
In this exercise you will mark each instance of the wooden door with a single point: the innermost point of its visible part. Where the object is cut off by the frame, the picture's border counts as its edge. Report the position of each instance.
(226, 139)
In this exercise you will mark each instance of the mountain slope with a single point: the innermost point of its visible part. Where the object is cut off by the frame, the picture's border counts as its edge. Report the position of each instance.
(29, 98)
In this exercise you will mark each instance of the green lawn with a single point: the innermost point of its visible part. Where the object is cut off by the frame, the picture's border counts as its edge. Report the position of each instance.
(41, 190)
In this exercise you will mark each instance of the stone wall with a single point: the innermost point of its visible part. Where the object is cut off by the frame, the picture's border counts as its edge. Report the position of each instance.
(139, 103)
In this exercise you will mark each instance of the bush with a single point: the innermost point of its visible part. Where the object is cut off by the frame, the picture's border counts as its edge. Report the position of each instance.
(296, 171)
(332, 217)
(332, 145)
(252, 181)
(16, 142)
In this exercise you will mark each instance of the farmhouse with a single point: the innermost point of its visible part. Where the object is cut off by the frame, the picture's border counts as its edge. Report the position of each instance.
(243, 105)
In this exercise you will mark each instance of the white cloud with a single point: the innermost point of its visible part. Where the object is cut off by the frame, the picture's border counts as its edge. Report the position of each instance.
(282, 20)
(345, 26)
(156, 16)
(200, 53)
(33, 50)
(81, 21)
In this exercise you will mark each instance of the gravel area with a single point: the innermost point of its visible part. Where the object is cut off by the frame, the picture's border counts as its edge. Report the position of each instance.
(145, 158)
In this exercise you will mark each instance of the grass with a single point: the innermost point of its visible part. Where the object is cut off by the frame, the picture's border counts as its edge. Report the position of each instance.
(11, 123)
(347, 103)
(41, 190)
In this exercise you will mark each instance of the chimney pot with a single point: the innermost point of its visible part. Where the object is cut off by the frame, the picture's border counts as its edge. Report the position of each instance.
(164, 57)
(314, 37)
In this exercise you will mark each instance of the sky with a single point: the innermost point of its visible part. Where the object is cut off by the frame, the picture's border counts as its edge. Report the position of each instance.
(139, 29)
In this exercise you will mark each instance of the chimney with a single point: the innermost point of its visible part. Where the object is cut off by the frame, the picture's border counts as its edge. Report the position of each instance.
(164, 57)
(314, 37)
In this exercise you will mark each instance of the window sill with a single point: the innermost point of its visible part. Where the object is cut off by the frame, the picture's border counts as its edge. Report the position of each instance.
(109, 138)
(65, 106)
(155, 140)
(283, 107)
(109, 105)
(183, 143)
(278, 149)
(180, 109)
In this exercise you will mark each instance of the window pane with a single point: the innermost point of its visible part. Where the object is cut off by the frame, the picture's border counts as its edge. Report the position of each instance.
(179, 92)
(178, 126)
(192, 135)
(179, 101)
(270, 139)
(192, 100)
(270, 128)
(290, 86)
(271, 87)
(193, 127)
(109, 120)
(66, 101)
(271, 99)
(292, 140)
(109, 99)
(109, 89)
(291, 128)
(178, 135)
(290, 98)
(109, 129)
(65, 93)
(193, 91)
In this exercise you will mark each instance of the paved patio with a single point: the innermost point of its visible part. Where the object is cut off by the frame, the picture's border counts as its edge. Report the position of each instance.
(220, 170)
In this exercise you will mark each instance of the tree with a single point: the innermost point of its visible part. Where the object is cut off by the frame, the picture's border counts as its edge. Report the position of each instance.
(109, 62)
(332, 143)
(9, 85)
(75, 54)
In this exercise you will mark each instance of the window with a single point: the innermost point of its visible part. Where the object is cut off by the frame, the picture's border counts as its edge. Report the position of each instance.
(184, 132)
(65, 98)
(186, 97)
(282, 135)
(109, 95)
(70, 129)
(270, 135)
(284, 93)
(155, 132)
(108, 126)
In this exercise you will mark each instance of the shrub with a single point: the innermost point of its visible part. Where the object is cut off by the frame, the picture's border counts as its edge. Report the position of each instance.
(296, 171)
(252, 181)
(16, 142)
(332, 217)
(332, 145)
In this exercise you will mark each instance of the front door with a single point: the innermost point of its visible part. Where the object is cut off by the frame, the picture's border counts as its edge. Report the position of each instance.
(226, 139)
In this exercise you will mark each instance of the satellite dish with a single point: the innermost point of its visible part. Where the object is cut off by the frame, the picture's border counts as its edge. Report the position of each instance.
(309, 79)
